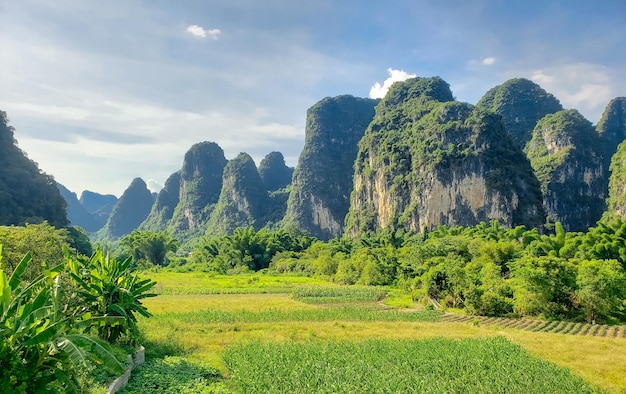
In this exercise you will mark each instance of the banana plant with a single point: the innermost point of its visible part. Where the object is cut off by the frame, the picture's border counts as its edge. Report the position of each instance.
(41, 349)
(110, 288)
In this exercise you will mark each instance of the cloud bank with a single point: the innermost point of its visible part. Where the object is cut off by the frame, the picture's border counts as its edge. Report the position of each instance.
(379, 91)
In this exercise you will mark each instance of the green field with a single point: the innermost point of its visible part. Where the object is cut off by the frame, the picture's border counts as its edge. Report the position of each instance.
(260, 333)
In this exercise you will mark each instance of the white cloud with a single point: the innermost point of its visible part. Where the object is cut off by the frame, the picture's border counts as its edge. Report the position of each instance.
(488, 61)
(200, 32)
(583, 86)
(154, 186)
(379, 91)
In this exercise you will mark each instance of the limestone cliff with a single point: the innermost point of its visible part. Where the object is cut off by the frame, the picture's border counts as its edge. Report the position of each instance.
(274, 172)
(243, 200)
(322, 181)
(521, 103)
(617, 184)
(427, 160)
(566, 155)
(200, 186)
(612, 128)
(129, 212)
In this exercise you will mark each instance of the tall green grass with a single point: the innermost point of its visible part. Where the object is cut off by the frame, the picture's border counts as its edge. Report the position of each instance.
(492, 365)
(209, 283)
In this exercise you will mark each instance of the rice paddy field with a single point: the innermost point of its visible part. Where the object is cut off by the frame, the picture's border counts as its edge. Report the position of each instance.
(281, 334)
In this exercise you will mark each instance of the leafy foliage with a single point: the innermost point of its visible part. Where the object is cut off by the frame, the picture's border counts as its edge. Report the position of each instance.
(44, 242)
(40, 350)
(109, 288)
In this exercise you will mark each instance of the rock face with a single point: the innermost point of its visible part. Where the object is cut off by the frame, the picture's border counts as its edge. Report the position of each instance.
(26, 193)
(322, 181)
(566, 155)
(612, 128)
(77, 214)
(426, 160)
(200, 186)
(617, 184)
(274, 172)
(243, 200)
(163, 209)
(521, 103)
(129, 212)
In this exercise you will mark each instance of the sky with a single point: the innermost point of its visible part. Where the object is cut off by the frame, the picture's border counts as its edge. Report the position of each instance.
(101, 92)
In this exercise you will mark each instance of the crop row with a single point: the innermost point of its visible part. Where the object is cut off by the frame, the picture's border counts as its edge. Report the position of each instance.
(486, 365)
(560, 327)
(330, 294)
(345, 313)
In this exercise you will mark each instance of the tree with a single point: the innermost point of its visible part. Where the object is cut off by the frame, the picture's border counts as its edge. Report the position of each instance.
(45, 243)
(150, 246)
(601, 289)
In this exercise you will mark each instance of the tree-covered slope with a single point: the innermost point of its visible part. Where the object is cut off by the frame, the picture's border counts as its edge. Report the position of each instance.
(129, 212)
(27, 195)
(427, 160)
(566, 155)
(243, 200)
(322, 181)
(274, 172)
(521, 103)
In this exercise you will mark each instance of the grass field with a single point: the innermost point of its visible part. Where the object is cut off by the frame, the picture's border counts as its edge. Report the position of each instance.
(209, 327)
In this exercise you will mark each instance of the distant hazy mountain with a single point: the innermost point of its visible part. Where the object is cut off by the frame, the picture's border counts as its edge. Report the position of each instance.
(77, 214)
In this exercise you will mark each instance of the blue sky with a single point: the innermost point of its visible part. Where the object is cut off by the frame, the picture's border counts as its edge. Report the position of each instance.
(101, 92)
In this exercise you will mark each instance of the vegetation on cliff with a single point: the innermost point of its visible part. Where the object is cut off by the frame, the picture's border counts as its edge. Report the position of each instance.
(521, 103)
